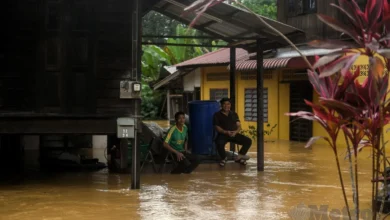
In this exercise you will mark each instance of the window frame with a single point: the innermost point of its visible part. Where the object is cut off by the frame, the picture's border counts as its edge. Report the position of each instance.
(216, 89)
(265, 104)
(306, 9)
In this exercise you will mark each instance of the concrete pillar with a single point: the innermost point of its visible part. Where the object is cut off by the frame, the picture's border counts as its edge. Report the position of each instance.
(31, 147)
(99, 145)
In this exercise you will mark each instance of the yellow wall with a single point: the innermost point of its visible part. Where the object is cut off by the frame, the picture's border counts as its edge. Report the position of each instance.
(273, 109)
(207, 85)
(278, 99)
(241, 85)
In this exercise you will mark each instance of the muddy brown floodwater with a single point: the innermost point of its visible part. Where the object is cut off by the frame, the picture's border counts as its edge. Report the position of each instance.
(293, 175)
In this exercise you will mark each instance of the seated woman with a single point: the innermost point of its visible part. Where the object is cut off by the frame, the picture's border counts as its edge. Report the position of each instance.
(228, 126)
(176, 142)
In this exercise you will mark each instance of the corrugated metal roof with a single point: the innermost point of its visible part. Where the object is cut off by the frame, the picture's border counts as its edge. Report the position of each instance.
(227, 21)
(221, 56)
(218, 57)
(273, 63)
(289, 52)
(170, 69)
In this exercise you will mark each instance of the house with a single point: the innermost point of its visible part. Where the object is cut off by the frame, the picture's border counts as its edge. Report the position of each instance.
(61, 67)
(207, 78)
(63, 63)
(285, 81)
(302, 14)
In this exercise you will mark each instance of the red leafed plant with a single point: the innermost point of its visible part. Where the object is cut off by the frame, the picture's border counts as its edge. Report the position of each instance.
(358, 110)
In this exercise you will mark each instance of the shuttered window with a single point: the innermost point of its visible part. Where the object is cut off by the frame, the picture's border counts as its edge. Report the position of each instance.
(217, 94)
(251, 105)
(301, 7)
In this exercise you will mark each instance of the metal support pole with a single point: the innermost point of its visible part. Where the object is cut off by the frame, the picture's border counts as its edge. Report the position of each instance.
(260, 106)
(135, 165)
(233, 77)
(198, 37)
(136, 71)
(169, 105)
(232, 83)
(183, 45)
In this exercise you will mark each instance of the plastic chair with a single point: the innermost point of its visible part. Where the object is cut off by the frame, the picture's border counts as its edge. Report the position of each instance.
(169, 158)
(236, 146)
(149, 157)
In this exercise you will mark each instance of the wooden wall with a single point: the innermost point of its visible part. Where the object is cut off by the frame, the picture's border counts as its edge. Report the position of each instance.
(309, 22)
(65, 56)
(17, 54)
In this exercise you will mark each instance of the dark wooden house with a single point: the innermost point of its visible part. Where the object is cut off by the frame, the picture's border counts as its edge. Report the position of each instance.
(302, 14)
(64, 59)
(61, 63)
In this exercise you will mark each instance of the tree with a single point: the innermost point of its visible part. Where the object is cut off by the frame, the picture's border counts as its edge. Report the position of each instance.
(153, 59)
(157, 24)
(266, 8)
(179, 54)
(154, 23)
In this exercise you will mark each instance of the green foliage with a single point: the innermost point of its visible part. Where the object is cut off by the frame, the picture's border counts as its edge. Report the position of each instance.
(266, 8)
(179, 54)
(153, 59)
(154, 23)
(218, 43)
(252, 131)
(269, 129)
(157, 24)
(151, 100)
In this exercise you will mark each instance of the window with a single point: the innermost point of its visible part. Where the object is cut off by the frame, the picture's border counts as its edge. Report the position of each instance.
(291, 6)
(310, 6)
(251, 104)
(300, 7)
(217, 94)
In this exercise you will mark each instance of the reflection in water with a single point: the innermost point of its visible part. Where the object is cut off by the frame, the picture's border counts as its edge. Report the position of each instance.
(293, 175)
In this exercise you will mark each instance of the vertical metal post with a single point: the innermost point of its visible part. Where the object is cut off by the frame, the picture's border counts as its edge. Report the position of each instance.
(233, 77)
(169, 105)
(260, 106)
(136, 72)
(232, 83)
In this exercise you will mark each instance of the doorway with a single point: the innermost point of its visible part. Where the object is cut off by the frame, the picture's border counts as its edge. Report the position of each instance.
(300, 129)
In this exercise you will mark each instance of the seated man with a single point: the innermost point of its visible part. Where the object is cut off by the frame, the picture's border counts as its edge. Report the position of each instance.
(228, 127)
(176, 142)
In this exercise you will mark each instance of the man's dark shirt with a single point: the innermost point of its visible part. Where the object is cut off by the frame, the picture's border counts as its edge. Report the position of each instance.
(226, 122)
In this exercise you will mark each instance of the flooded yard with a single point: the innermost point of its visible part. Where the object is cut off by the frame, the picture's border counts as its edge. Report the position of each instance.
(293, 176)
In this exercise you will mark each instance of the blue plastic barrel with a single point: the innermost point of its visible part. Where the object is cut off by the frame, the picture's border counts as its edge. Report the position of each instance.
(201, 126)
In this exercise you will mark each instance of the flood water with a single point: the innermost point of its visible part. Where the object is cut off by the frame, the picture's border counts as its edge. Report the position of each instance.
(293, 175)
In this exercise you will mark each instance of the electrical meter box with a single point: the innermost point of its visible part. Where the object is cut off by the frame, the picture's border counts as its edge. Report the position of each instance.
(130, 90)
(125, 127)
